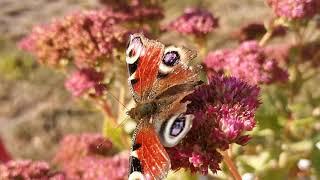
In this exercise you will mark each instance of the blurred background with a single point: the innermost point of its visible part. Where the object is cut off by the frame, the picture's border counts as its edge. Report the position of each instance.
(36, 110)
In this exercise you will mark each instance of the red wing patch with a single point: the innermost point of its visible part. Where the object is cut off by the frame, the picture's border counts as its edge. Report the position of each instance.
(147, 70)
(148, 156)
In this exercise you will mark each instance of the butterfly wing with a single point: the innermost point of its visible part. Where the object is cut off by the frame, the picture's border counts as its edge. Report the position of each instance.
(148, 158)
(175, 71)
(154, 68)
(143, 58)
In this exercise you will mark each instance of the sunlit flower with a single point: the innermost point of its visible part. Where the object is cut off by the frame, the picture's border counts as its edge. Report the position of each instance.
(75, 147)
(84, 80)
(94, 34)
(141, 12)
(248, 62)
(90, 156)
(216, 61)
(28, 170)
(224, 111)
(91, 167)
(87, 37)
(295, 9)
(194, 21)
(49, 43)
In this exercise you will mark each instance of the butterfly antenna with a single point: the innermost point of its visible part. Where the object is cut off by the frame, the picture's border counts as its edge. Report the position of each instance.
(117, 99)
(121, 124)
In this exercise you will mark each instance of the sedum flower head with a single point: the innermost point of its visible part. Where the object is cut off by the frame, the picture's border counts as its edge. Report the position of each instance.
(194, 21)
(75, 147)
(49, 43)
(92, 167)
(83, 80)
(295, 9)
(94, 34)
(224, 111)
(248, 62)
(87, 37)
(90, 156)
(28, 170)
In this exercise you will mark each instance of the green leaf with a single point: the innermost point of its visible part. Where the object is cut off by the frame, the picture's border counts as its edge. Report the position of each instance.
(116, 134)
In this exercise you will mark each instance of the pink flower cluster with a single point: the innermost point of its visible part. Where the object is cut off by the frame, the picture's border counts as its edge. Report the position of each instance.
(28, 170)
(295, 9)
(91, 167)
(194, 21)
(49, 43)
(90, 156)
(224, 111)
(84, 156)
(75, 147)
(248, 62)
(84, 80)
(86, 37)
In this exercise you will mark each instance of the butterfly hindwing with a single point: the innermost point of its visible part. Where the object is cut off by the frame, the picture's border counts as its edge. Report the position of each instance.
(148, 158)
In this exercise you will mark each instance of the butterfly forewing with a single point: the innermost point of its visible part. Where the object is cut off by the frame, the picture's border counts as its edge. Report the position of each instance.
(143, 65)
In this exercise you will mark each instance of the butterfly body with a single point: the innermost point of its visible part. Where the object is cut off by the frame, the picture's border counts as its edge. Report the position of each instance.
(144, 110)
(159, 78)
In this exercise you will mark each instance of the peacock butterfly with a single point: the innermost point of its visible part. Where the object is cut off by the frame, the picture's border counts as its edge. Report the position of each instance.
(159, 78)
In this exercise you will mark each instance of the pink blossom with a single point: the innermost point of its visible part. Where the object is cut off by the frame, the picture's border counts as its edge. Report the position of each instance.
(295, 9)
(100, 168)
(248, 62)
(224, 111)
(87, 37)
(194, 21)
(75, 147)
(91, 156)
(49, 43)
(83, 80)
(28, 170)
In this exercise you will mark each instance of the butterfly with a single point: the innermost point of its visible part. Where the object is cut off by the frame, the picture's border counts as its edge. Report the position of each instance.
(159, 78)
